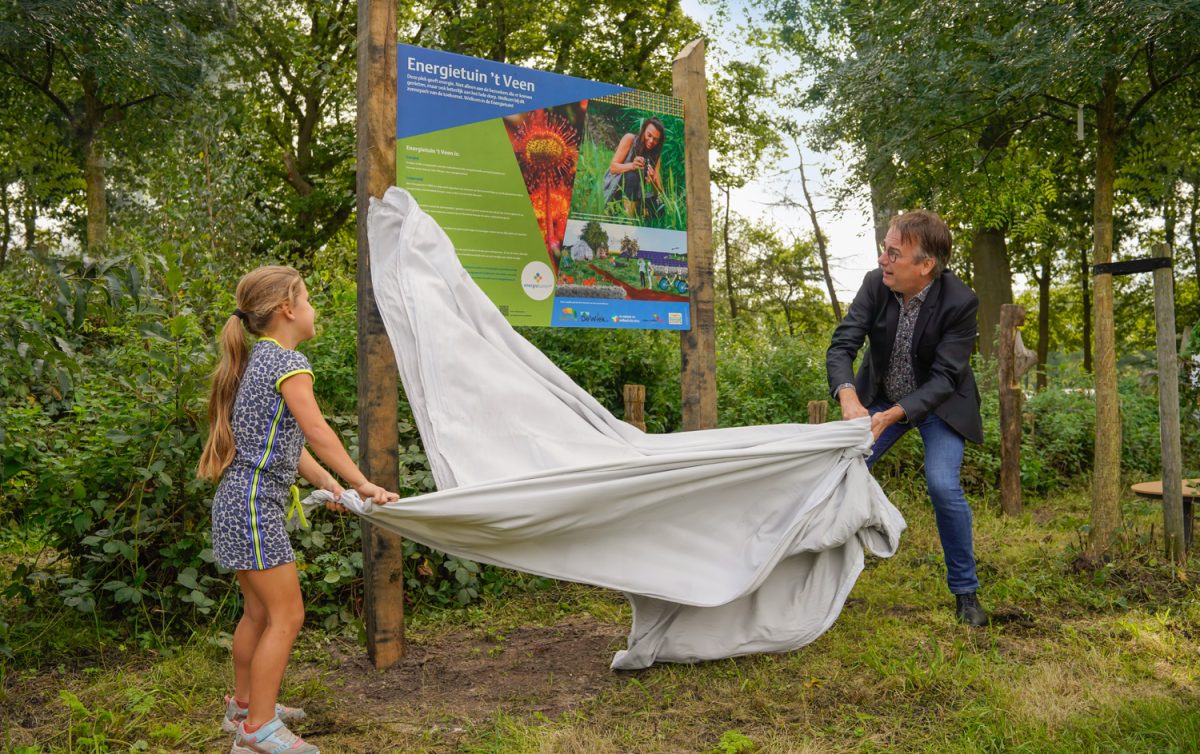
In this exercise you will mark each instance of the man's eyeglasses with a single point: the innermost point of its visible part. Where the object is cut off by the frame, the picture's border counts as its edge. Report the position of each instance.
(894, 255)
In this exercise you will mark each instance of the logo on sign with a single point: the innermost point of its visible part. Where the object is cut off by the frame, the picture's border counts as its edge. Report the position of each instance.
(537, 281)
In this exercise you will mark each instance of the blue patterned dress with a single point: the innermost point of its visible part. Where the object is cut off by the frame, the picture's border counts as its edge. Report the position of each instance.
(248, 508)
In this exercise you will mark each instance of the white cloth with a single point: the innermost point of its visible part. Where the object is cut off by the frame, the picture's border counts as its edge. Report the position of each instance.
(726, 541)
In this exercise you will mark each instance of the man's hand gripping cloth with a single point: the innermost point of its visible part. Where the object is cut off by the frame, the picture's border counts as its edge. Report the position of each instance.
(725, 541)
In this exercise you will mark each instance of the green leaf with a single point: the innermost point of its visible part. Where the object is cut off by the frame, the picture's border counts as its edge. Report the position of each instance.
(73, 703)
(187, 577)
(200, 599)
(174, 273)
(128, 594)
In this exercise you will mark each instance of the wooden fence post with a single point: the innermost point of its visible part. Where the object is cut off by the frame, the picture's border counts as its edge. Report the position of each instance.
(1174, 527)
(383, 554)
(818, 411)
(1015, 361)
(635, 406)
(698, 346)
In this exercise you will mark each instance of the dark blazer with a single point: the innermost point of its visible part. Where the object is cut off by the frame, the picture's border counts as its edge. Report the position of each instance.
(943, 340)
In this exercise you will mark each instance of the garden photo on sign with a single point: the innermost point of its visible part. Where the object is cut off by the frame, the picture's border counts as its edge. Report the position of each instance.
(631, 167)
(606, 260)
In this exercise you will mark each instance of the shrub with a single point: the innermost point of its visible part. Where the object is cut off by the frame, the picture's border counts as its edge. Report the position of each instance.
(602, 362)
(1063, 434)
(764, 380)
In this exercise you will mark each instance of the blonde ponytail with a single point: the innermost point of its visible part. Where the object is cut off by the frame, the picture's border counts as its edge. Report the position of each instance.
(259, 294)
(218, 451)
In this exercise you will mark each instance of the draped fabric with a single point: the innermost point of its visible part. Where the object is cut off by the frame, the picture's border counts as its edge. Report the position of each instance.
(725, 541)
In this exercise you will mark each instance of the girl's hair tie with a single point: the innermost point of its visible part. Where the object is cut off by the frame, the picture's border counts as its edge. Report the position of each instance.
(240, 314)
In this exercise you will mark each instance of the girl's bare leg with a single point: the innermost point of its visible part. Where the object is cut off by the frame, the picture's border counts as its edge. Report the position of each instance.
(245, 640)
(278, 590)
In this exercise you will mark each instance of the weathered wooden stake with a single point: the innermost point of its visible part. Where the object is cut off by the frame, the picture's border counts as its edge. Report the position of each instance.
(1174, 525)
(818, 411)
(635, 406)
(698, 346)
(1015, 360)
(383, 556)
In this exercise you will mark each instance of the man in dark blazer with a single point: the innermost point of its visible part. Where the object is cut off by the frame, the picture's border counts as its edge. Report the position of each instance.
(920, 322)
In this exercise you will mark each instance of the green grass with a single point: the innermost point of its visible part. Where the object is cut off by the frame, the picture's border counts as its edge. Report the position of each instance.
(1078, 660)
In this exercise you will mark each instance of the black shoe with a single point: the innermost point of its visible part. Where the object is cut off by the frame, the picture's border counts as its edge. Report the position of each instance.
(968, 610)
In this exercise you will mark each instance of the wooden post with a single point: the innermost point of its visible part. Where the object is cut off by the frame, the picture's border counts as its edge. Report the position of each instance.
(1168, 412)
(1015, 360)
(383, 556)
(635, 406)
(818, 411)
(698, 346)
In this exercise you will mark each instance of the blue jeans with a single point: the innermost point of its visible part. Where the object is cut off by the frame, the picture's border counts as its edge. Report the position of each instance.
(943, 459)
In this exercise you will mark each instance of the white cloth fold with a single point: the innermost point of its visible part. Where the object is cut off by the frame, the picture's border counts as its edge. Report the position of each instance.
(725, 541)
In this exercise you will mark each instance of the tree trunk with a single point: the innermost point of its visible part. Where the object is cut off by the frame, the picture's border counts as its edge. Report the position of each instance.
(1106, 483)
(812, 215)
(87, 127)
(97, 206)
(993, 284)
(729, 261)
(29, 217)
(1170, 220)
(883, 201)
(1084, 276)
(1043, 344)
(1170, 217)
(1194, 239)
(6, 239)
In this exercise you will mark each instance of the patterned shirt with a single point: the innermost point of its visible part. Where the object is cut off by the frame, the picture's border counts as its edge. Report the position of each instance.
(901, 380)
(248, 507)
(266, 437)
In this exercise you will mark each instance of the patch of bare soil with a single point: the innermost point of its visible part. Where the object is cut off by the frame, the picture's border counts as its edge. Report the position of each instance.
(468, 676)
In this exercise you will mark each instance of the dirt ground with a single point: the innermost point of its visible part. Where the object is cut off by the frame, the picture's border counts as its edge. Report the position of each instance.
(546, 669)
(444, 685)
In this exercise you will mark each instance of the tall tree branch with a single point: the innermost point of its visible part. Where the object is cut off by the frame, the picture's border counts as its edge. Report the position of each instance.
(41, 86)
(821, 248)
(1180, 73)
(656, 39)
(1150, 64)
(1068, 103)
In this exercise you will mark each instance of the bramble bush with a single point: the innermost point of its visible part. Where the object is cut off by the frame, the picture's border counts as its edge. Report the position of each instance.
(113, 473)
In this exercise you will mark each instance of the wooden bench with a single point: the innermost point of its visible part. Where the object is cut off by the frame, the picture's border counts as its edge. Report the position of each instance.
(1191, 494)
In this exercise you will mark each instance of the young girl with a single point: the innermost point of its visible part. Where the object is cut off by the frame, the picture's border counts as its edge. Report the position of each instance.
(261, 413)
